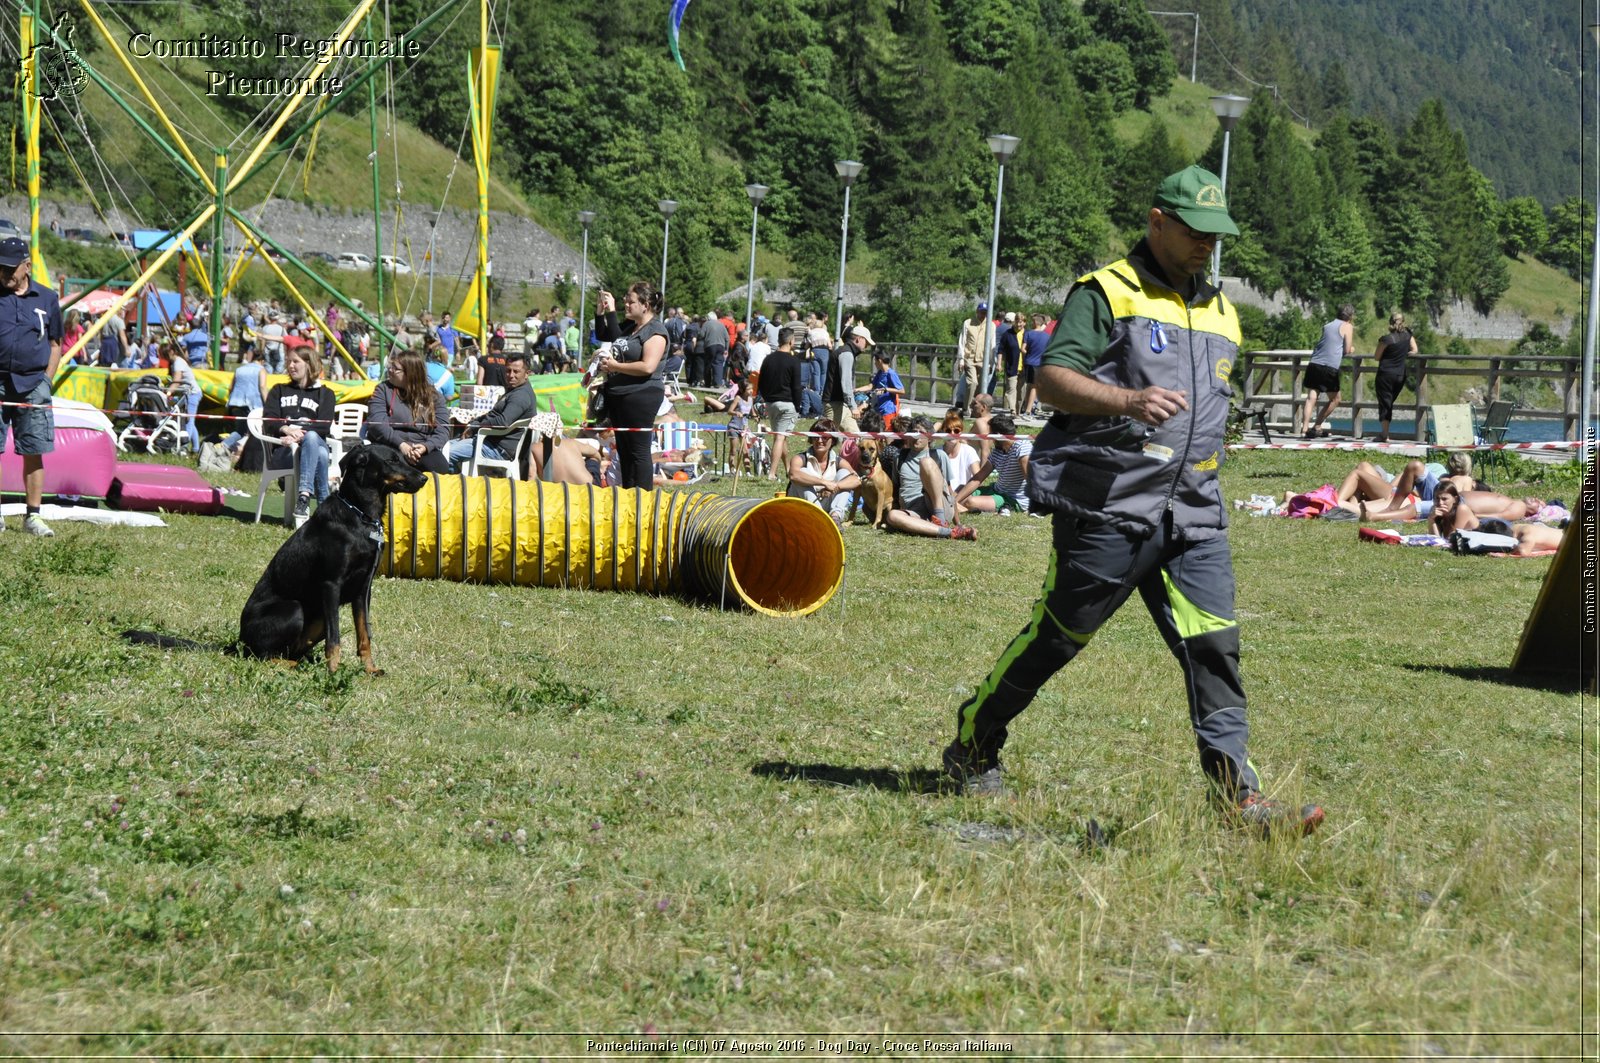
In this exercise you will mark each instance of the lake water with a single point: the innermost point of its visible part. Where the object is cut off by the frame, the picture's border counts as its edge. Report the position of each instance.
(1519, 431)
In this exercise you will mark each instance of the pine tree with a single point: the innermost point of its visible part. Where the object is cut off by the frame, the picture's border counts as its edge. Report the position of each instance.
(1130, 25)
(1274, 185)
(1435, 159)
(1337, 148)
(1335, 89)
(1407, 254)
(1141, 166)
(1340, 258)
(925, 158)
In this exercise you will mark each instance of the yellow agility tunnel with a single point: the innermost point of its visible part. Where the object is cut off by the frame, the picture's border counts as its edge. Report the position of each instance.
(779, 556)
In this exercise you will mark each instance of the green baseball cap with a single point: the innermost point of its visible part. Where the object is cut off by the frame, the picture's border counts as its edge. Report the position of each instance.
(1195, 196)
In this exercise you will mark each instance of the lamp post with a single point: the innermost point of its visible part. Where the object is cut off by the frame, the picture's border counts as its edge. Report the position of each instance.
(1228, 109)
(1002, 147)
(666, 207)
(756, 193)
(585, 219)
(848, 171)
(1586, 381)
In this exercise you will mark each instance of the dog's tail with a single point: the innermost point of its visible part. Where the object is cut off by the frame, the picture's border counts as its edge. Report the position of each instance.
(171, 642)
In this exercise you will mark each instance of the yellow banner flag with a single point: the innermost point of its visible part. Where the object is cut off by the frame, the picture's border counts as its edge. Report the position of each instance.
(468, 319)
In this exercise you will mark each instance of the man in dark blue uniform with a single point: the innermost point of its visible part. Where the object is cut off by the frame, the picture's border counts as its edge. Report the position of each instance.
(30, 350)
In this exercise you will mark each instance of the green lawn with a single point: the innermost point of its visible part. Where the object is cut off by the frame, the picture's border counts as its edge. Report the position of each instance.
(578, 811)
(1540, 292)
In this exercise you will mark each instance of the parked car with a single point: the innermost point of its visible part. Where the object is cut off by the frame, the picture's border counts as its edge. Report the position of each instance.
(86, 237)
(315, 258)
(394, 264)
(9, 228)
(353, 260)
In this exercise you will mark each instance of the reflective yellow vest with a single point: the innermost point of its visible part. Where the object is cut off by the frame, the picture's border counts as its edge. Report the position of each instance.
(1118, 471)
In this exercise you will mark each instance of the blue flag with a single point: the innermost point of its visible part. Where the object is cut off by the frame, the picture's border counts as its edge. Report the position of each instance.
(674, 21)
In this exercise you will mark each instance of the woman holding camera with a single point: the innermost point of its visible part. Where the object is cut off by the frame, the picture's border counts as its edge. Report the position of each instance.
(634, 387)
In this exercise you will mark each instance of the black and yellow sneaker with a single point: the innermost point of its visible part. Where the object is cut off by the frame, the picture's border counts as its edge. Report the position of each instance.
(974, 774)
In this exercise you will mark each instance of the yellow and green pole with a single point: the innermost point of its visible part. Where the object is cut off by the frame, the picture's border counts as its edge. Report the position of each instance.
(219, 182)
(30, 130)
(484, 109)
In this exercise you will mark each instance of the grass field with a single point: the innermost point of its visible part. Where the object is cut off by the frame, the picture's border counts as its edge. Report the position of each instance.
(588, 812)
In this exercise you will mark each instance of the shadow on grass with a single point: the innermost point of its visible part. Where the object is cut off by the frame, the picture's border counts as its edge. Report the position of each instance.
(916, 781)
(1557, 682)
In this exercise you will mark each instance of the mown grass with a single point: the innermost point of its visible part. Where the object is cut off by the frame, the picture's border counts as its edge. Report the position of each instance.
(583, 811)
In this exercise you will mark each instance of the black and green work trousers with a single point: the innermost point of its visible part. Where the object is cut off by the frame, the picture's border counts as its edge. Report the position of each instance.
(1187, 585)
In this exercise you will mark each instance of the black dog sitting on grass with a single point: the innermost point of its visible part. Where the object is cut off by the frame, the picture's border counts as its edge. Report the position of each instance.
(328, 562)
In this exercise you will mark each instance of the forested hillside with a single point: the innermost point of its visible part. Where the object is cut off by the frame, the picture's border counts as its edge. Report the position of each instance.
(1507, 73)
(1390, 209)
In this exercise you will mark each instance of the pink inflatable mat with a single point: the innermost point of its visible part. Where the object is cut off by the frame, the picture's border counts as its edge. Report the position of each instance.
(81, 464)
(173, 488)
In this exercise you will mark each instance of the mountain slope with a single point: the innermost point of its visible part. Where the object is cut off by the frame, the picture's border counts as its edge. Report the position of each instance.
(1507, 73)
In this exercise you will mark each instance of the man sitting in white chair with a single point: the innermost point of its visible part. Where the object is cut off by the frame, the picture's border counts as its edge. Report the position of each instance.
(517, 404)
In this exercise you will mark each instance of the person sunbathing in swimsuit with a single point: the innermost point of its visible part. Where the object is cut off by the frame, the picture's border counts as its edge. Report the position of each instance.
(1453, 511)
(1372, 493)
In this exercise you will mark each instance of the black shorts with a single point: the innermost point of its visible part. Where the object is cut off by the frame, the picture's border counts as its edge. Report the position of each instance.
(1322, 378)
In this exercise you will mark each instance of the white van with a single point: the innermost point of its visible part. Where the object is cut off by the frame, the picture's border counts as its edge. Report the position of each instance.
(352, 260)
(392, 264)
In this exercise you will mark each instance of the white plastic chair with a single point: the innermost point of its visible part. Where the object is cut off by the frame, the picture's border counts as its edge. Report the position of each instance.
(348, 420)
(290, 476)
(511, 465)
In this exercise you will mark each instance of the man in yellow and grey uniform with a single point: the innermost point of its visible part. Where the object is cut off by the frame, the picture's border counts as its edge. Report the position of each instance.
(1139, 367)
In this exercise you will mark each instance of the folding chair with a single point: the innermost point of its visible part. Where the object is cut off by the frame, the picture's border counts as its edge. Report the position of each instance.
(289, 476)
(1451, 426)
(1496, 422)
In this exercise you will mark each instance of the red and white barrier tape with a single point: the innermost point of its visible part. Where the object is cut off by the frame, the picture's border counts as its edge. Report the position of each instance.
(679, 426)
(1365, 445)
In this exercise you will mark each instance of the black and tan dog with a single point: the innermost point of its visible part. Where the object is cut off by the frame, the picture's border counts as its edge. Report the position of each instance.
(328, 562)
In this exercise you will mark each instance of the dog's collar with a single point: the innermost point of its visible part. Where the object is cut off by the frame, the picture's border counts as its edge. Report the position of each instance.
(371, 521)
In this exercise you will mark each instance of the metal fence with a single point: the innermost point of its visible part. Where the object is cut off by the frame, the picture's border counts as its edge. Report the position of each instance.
(927, 371)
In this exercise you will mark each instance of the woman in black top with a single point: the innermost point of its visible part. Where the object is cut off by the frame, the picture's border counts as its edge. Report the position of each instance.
(301, 412)
(1393, 350)
(408, 413)
(634, 387)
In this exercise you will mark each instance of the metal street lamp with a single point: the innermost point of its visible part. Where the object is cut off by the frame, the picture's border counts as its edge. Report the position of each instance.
(756, 193)
(585, 219)
(848, 171)
(666, 207)
(1228, 109)
(1002, 147)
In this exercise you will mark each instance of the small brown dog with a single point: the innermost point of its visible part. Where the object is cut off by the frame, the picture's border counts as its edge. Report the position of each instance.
(877, 490)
